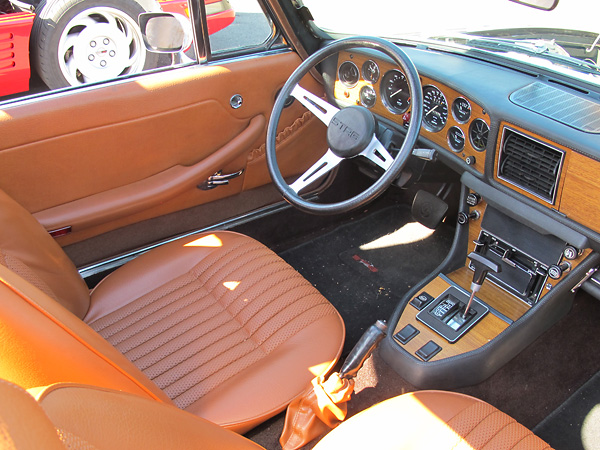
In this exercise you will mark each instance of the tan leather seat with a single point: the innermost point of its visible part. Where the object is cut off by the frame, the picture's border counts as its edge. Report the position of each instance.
(95, 418)
(437, 420)
(216, 324)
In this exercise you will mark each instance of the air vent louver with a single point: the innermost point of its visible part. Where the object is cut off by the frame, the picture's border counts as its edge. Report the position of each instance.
(530, 164)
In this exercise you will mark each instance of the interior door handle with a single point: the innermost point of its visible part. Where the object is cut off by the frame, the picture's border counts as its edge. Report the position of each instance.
(218, 179)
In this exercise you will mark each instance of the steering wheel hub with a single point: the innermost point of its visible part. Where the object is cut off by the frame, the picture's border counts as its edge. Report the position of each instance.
(350, 131)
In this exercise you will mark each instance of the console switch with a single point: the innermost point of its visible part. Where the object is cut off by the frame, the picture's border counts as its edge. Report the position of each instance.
(421, 300)
(428, 351)
(406, 334)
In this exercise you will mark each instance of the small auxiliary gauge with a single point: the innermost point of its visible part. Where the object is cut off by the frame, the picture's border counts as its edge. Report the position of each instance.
(456, 139)
(348, 74)
(461, 110)
(370, 71)
(368, 96)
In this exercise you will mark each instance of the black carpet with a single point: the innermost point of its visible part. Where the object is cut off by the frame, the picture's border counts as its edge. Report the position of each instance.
(575, 425)
(365, 283)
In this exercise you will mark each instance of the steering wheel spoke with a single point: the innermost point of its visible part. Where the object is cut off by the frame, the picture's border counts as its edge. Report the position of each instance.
(377, 153)
(316, 105)
(324, 165)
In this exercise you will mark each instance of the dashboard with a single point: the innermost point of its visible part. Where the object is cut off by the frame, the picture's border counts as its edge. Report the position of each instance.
(519, 132)
(527, 148)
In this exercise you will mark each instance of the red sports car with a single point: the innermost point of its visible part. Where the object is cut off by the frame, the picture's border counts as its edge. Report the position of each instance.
(72, 43)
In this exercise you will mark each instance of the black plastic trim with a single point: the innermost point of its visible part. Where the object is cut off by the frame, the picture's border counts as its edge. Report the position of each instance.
(525, 214)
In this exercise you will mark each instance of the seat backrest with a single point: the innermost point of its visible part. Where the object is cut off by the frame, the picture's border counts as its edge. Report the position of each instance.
(42, 343)
(79, 416)
(27, 249)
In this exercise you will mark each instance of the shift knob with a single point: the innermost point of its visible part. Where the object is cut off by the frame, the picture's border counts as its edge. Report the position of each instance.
(482, 266)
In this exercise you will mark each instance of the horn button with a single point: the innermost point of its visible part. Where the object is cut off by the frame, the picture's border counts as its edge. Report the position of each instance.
(350, 131)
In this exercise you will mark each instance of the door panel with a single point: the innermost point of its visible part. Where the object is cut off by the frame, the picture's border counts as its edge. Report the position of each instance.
(103, 158)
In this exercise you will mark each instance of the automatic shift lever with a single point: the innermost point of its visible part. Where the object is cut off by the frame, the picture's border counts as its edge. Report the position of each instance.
(482, 266)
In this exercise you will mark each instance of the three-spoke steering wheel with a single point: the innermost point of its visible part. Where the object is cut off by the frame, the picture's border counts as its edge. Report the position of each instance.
(351, 131)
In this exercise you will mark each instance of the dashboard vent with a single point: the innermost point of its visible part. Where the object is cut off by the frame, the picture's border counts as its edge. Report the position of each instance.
(530, 164)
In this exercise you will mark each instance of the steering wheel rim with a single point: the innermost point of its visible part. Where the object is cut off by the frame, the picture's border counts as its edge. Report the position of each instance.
(393, 171)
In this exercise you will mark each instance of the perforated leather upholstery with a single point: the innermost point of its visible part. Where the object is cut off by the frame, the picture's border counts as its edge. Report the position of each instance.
(432, 420)
(223, 326)
(87, 417)
(227, 319)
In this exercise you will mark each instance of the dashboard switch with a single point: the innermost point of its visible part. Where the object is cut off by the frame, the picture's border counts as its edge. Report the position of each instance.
(470, 160)
(463, 217)
(556, 271)
(570, 252)
(473, 199)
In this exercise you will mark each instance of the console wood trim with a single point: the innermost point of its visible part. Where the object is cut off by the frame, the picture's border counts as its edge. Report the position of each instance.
(484, 331)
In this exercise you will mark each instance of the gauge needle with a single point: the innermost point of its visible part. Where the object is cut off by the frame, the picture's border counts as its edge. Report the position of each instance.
(397, 92)
(431, 110)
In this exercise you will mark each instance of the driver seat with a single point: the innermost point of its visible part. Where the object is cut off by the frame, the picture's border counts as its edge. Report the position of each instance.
(216, 324)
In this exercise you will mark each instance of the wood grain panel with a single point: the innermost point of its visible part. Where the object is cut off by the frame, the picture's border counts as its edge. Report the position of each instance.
(484, 331)
(494, 296)
(580, 200)
(351, 96)
(562, 178)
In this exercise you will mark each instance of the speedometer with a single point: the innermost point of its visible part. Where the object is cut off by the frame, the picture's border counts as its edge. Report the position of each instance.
(435, 109)
(395, 91)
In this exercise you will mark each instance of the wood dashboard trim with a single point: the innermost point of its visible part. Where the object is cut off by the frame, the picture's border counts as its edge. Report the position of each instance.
(351, 96)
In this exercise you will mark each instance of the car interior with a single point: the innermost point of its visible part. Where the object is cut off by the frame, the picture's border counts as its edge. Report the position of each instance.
(184, 250)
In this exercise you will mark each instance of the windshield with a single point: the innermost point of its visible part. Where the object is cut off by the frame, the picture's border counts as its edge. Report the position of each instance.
(564, 40)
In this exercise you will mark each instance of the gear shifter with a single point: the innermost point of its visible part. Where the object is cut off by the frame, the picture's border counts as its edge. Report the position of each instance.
(482, 266)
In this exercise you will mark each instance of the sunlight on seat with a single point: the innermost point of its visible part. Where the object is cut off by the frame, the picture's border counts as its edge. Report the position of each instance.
(590, 429)
(319, 369)
(206, 241)
(231, 285)
(408, 234)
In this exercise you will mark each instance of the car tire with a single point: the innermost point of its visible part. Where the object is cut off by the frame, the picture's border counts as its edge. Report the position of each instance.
(82, 41)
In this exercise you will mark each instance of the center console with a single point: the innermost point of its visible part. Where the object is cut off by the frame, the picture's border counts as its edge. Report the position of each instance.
(439, 342)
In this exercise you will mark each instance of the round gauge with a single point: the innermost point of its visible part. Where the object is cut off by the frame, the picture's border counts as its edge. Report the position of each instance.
(461, 109)
(478, 134)
(435, 109)
(368, 96)
(456, 139)
(395, 91)
(348, 74)
(370, 71)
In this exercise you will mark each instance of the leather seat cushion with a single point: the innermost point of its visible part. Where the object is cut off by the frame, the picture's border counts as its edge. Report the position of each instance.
(226, 328)
(432, 420)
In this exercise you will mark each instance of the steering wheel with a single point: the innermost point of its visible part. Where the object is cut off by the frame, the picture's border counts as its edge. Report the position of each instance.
(350, 131)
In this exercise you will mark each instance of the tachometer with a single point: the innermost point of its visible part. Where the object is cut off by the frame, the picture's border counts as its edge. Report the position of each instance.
(395, 91)
(348, 74)
(435, 109)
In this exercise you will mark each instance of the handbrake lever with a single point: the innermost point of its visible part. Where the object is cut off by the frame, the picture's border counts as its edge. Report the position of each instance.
(363, 349)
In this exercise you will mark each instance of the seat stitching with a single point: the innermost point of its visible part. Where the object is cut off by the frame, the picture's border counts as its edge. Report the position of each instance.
(258, 346)
(196, 325)
(225, 379)
(192, 355)
(141, 305)
(499, 430)
(189, 298)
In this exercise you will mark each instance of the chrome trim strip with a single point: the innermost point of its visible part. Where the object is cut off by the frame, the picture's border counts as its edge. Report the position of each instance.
(560, 165)
(117, 261)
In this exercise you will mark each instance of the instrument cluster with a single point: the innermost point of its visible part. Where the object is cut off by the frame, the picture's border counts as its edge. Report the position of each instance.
(450, 119)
